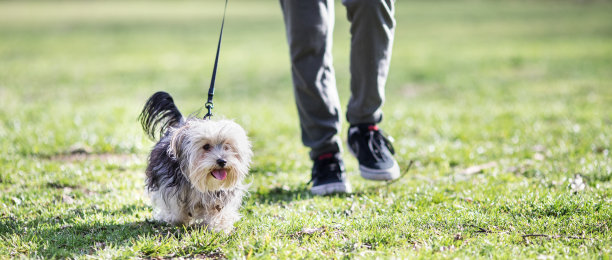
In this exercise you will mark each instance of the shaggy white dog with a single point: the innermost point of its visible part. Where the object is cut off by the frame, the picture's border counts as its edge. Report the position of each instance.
(196, 170)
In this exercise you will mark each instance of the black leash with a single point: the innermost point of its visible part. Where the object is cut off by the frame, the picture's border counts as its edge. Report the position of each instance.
(211, 90)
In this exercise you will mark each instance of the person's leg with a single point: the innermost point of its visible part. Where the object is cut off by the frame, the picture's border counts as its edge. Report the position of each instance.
(309, 25)
(372, 28)
(309, 33)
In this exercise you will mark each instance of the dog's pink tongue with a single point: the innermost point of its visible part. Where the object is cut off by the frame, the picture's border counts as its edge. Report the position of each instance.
(219, 174)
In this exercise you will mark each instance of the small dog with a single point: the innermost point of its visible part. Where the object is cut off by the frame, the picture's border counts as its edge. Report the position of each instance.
(196, 170)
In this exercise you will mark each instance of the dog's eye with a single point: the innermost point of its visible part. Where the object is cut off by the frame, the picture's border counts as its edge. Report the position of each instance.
(206, 147)
(227, 147)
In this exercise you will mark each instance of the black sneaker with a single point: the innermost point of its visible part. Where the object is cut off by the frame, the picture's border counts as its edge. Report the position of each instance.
(374, 152)
(329, 176)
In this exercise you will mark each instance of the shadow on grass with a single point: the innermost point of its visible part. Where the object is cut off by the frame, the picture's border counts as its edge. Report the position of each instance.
(281, 195)
(56, 240)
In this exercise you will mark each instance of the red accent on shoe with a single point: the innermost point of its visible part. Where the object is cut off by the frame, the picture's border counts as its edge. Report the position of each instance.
(373, 127)
(325, 156)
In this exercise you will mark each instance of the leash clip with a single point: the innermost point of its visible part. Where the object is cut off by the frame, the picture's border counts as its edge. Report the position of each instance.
(209, 106)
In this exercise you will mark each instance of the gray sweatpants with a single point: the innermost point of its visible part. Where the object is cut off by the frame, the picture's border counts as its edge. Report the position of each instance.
(309, 25)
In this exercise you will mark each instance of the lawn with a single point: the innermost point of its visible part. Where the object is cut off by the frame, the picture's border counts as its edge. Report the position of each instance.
(503, 106)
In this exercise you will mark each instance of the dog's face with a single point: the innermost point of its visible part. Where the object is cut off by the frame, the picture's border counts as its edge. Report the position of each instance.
(213, 155)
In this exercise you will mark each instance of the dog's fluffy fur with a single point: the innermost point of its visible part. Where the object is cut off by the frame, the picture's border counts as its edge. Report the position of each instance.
(196, 170)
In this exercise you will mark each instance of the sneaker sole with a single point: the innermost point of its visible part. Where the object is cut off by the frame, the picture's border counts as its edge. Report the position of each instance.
(380, 175)
(377, 174)
(330, 188)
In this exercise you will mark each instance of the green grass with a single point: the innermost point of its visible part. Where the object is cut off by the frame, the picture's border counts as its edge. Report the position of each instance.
(522, 88)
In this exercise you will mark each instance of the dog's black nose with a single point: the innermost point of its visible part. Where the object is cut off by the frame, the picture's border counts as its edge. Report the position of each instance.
(221, 162)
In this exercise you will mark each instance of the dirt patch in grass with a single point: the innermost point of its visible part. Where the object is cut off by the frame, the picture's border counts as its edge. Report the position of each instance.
(214, 255)
(79, 157)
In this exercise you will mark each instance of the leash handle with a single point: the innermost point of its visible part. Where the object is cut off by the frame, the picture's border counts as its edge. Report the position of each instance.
(211, 90)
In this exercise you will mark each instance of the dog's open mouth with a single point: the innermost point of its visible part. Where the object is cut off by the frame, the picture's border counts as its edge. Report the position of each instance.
(219, 174)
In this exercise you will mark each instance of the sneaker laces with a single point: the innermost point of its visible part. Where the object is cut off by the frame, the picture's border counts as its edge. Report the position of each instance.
(377, 138)
(374, 146)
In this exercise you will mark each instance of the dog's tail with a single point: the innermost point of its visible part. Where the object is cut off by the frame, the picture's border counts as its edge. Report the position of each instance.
(158, 114)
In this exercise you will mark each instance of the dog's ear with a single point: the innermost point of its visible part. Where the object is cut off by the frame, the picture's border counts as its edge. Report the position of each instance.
(245, 153)
(242, 145)
(175, 149)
